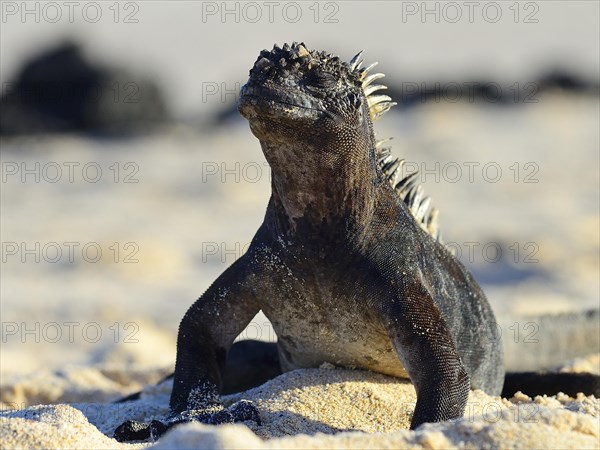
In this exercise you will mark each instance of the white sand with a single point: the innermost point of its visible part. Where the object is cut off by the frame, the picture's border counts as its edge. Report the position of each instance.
(172, 212)
(177, 209)
(316, 408)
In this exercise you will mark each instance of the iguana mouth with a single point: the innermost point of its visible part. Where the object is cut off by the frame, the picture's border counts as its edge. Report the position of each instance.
(274, 100)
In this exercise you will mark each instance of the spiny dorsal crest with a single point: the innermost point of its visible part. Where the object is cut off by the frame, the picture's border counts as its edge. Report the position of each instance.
(407, 188)
(378, 104)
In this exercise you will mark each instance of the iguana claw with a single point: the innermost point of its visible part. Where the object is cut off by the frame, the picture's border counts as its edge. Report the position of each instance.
(132, 430)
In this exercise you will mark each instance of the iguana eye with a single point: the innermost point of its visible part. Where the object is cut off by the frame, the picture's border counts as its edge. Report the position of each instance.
(320, 79)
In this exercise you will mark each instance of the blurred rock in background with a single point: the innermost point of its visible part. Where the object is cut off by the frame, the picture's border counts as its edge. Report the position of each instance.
(60, 90)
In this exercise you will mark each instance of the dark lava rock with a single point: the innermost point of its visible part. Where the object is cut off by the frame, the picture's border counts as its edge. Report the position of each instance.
(61, 91)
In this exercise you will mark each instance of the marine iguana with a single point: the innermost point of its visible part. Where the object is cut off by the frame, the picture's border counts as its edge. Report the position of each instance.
(348, 264)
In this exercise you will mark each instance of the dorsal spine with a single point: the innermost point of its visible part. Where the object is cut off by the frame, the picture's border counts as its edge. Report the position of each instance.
(407, 188)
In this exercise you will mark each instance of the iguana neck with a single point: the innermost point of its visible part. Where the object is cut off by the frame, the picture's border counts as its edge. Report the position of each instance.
(320, 190)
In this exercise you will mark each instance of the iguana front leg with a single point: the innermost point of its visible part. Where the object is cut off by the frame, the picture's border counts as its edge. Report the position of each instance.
(427, 351)
(206, 333)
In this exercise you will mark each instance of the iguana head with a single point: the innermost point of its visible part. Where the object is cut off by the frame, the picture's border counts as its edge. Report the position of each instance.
(313, 114)
(296, 93)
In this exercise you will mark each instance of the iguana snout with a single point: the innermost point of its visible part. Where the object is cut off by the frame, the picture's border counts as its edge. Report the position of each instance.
(298, 88)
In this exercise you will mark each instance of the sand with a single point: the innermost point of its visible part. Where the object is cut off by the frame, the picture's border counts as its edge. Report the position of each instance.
(174, 209)
(190, 224)
(173, 212)
(309, 408)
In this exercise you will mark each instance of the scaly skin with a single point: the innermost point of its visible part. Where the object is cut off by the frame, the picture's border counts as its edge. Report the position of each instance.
(340, 265)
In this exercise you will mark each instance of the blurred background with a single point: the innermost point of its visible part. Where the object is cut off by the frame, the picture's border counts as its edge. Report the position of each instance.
(130, 182)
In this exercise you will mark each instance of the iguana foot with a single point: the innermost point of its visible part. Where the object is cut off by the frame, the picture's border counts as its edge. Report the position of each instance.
(132, 430)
